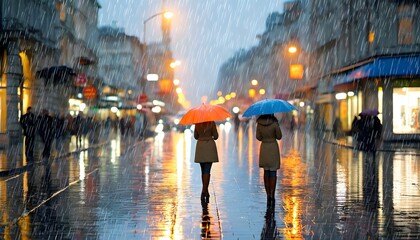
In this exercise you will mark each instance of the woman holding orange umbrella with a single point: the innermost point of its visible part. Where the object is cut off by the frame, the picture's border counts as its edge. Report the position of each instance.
(206, 153)
(205, 132)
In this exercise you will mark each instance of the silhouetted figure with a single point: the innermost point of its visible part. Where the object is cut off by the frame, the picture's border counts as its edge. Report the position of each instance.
(205, 221)
(27, 121)
(79, 128)
(123, 125)
(46, 131)
(369, 131)
(59, 125)
(370, 183)
(268, 132)
(236, 121)
(107, 126)
(292, 123)
(206, 153)
(336, 127)
(354, 126)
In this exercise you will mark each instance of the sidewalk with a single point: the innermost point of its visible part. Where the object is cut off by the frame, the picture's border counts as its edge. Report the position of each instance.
(12, 160)
(347, 142)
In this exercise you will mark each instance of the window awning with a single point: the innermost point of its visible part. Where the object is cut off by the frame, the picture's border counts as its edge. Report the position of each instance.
(56, 73)
(402, 66)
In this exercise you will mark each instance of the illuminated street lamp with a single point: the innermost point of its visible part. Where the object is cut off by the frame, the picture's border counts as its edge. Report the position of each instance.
(292, 49)
(175, 64)
(176, 82)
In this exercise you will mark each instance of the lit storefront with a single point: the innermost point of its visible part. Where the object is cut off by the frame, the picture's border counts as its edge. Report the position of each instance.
(406, 109)
(389, 84)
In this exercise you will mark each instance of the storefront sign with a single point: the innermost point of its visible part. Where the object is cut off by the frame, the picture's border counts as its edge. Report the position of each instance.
(89, 92)
(142, 98)
(165, 86)
(81, 79)
(296, 71)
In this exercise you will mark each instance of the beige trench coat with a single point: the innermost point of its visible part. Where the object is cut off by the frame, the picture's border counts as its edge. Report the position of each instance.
(206, 150)
(268, 132)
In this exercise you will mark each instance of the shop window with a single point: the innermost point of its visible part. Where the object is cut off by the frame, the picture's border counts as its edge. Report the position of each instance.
(3, 92)
(61, 8)
(406, 109)
(406, 24)
(405, 31)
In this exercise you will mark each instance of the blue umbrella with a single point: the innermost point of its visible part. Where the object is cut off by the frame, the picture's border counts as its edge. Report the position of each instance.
(268, 106)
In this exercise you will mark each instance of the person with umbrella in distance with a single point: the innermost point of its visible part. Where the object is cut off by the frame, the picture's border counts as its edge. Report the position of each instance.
(205, 132)
(268, 132)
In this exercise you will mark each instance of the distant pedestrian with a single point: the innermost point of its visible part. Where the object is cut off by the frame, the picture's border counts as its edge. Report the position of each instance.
(27, 121)
(59, 125)
(236, 121)
(292, 123)
(79, 128)
(123, 126)
(107, 126)
(369, 131)
(206, 153)
(46, 131)
(354, 125)
(336, 127)
(268, 132)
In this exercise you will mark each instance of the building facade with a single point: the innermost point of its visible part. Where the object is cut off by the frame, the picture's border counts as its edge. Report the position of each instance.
(367, 57)
(120, 65)
(356, 55)
(44, 45)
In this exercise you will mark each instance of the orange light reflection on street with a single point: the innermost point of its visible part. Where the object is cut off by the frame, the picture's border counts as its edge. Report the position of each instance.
(295, 170)
(167, 189)
(250, 150)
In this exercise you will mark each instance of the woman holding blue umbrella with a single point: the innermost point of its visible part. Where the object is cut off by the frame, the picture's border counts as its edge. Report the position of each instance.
(268, 132)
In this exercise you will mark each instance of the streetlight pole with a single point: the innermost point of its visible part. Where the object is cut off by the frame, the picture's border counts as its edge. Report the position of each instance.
(167, 15)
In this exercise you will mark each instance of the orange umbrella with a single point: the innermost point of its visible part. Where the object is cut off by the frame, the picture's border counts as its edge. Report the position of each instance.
(205, 113)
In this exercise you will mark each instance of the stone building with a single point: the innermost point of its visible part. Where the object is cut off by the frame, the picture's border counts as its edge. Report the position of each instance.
(365, 55)
(120, 65)
(44, 45)
(356, 55)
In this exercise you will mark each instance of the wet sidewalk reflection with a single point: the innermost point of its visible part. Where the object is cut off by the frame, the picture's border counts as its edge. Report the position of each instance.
(151, 189)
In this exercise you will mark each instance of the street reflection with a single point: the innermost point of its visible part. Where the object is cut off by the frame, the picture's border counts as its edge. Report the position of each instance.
(269, 230)
(205, 222)
(153, 192)
(293, 184)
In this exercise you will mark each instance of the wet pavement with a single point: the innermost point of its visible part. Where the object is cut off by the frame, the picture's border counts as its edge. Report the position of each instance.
(150, 189)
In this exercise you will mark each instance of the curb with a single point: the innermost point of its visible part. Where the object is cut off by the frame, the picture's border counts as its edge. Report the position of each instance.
(410, 151)
(19, 170)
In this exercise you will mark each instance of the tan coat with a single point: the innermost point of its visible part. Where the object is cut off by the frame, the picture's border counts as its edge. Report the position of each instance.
(268, 132)
(206, 150)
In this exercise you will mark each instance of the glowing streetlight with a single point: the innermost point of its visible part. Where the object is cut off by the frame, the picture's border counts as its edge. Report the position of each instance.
(235, 110)
(168, 15)
(254, 82)
(292, 49)
(175, 64)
